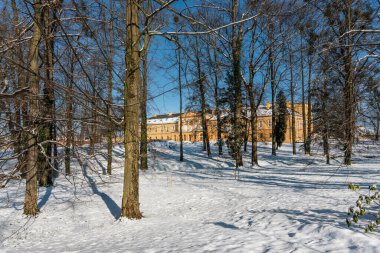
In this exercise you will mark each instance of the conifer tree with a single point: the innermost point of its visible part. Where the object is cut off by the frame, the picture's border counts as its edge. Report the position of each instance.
(281, 117)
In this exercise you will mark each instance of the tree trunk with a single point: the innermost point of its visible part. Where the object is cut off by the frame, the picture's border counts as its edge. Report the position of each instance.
(180, 107)
(93, 128)
(349, 101)
(325, 124)
(110, 130)
(20, 103)
(293, 134)
(144, 130)
(308, 138)
(69, 116)
(45, 160)
(217, 107)
(273, 87)
(253, 125)
(377, 130)
(200, 82)
(237, 127)
(303, 101)
(130, 206)
(31, 194)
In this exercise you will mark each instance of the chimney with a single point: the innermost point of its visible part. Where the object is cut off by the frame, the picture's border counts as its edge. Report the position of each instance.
(268, 106)
(154, 115)
(170, 114)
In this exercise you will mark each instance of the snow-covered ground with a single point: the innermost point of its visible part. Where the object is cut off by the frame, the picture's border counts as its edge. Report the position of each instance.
(288, 204)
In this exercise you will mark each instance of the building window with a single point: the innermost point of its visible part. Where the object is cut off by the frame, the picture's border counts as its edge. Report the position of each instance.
(270, 122)
(172, 128)
(260, 123)
(162, 129)
(155, 129)
(261, 136)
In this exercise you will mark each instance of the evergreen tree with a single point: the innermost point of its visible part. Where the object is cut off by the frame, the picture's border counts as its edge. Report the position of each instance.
(235, 136)
(281, 117)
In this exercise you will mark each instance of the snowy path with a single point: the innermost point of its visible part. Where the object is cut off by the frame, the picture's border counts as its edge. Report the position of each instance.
(197, 206)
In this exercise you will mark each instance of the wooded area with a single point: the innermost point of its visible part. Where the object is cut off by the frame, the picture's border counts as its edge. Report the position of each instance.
(76, 79)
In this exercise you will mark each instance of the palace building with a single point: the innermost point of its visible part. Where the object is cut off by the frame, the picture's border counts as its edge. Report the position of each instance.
(166, 126)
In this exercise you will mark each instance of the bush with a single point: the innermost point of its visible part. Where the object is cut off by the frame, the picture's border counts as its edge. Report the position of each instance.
(367, 208)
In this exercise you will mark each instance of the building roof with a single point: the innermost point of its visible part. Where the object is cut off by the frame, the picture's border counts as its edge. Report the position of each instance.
(173, 118)
(170, 118)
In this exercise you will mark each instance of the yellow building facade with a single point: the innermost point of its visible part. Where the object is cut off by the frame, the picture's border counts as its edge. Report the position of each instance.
(166, 126)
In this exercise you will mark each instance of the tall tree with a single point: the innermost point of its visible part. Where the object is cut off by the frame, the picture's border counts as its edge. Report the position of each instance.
(237, 126)
(31, 195)
(110, 64)
(281, 118)
(130, 206)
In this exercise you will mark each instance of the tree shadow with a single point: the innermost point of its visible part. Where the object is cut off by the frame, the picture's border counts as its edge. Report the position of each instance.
(104, 169)
(110, 203)
(225, 225)
(46, 197)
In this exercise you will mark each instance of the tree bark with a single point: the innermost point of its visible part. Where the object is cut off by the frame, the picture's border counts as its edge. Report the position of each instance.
(20, 103)
(217, 107)
(200, 84)
(273, 86)
(110, 130)
(308, 138)
(237, 127)
(303, 99)
(45, 160)
(180, 107)
(293, 133)
(348, 90)
(31, 195)
(69, 116)
(130, 206)
(144, 124)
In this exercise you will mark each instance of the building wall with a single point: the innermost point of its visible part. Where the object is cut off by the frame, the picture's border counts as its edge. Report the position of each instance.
(192, 128)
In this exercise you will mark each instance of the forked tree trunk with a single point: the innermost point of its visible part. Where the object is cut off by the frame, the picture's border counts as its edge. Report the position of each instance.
(130, 206)
(31, 195)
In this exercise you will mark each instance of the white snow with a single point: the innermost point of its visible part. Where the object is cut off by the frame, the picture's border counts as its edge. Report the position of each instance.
(169, 120)
(288, 204)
